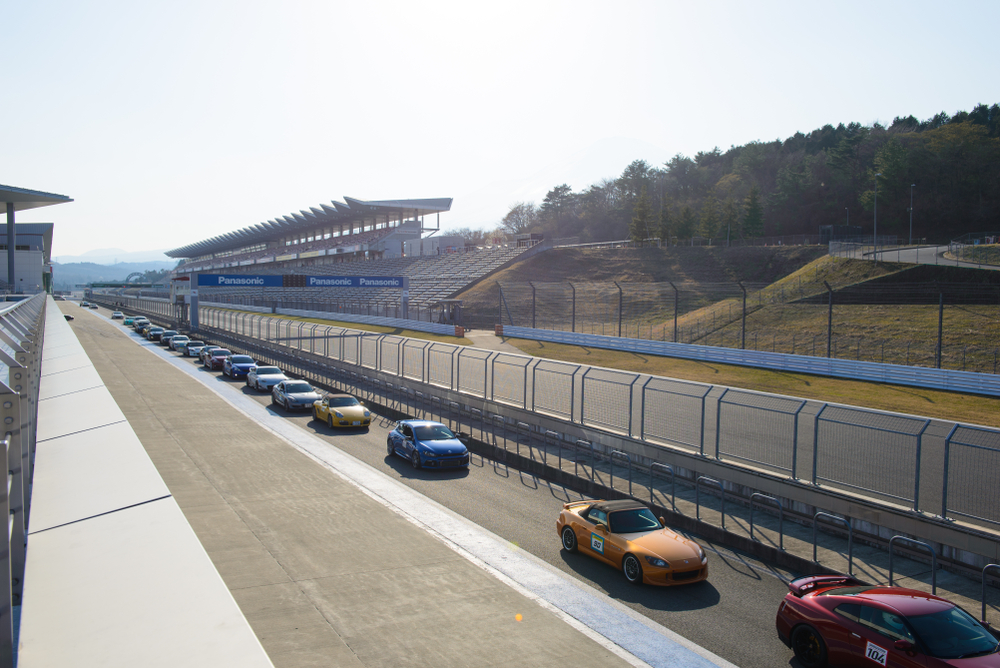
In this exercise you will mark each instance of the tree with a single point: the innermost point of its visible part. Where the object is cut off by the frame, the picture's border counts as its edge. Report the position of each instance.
(666, 225)
(520, 219)
(730, 219)
(685, 229)
(641, 218)
(709, 226)
(753, 221)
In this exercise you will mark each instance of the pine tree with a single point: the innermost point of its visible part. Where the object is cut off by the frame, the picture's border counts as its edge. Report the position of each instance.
(753, 221)
(639, 227)
(666, 225)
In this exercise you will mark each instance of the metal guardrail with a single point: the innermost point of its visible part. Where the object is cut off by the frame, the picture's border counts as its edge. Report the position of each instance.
(313, 369)
(930, 549)
(771, 432)
(940, 379)
(21, 339)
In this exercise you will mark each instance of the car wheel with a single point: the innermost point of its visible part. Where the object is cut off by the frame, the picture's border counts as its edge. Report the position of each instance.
(329, 420)
(632, 569)
(809, 647)
(569, 539)
(389, 447)
(415, 459)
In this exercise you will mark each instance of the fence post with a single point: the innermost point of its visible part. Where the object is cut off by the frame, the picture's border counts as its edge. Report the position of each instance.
(573, 320)
(676, 299)
(743, 322)
(829, 321)
(940, 326)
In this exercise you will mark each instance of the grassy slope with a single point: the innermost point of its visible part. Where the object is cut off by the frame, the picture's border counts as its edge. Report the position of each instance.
(796, 270)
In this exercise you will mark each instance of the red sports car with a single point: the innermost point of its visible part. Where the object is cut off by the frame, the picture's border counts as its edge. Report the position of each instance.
(217, 358)
(838, 620)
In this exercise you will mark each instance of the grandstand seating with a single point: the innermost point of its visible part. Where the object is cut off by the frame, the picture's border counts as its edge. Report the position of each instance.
(432, 278)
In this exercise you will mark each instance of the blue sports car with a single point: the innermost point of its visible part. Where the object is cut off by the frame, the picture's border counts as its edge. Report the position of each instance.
(429, 444)
(238, 366)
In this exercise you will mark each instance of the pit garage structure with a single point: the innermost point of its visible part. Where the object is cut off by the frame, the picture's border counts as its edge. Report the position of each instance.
(20, 199)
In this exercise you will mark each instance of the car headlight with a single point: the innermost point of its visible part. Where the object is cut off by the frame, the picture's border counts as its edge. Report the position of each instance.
(367, 414)
(656, 561)
(701, 553)
(338, 414)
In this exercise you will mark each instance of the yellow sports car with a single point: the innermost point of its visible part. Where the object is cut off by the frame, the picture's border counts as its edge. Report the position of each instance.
(628, 536)
(341, 410)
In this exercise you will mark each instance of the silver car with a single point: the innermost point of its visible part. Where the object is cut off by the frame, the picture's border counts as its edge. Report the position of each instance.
(294, 395)
(264, 378)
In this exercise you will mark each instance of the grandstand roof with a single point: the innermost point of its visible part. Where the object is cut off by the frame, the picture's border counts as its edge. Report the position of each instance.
(352, 210)
(22, 198)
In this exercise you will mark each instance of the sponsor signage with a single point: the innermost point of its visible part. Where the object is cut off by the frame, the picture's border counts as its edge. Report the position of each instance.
(355, 282)
(239, 281)
(300, 281)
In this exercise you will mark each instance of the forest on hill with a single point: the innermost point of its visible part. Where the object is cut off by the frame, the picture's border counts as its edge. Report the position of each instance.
(949, 166)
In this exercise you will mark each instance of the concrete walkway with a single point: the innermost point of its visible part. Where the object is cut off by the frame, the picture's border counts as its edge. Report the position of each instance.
(333, 563)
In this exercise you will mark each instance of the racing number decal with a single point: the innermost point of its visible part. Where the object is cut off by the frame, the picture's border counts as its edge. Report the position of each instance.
(597, 544)
(875, 653)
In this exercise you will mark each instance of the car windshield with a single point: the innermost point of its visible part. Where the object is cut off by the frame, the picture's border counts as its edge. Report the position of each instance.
(433, 432)
(242, 359)
(633, 521)
(194, 344)
(222, 352)
(268, 371)
(953, 634)
(295, 388)
(342, 401)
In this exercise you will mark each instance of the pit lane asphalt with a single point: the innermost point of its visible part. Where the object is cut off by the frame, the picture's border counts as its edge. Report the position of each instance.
(731, 615)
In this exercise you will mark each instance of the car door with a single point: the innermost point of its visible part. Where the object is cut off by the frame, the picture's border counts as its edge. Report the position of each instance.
(874, 640)
(615, 547)
(408, 441)
(592, 534)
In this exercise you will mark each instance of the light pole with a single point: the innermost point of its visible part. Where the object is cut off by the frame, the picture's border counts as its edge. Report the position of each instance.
(876, 217)
(912, 186)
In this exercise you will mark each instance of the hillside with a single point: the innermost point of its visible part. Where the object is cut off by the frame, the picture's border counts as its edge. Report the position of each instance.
(698, 270)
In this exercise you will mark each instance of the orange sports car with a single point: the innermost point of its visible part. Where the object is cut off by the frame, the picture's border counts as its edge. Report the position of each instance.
(628, 536)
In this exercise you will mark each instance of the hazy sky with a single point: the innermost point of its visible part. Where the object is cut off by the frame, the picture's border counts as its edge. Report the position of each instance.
(170, 122)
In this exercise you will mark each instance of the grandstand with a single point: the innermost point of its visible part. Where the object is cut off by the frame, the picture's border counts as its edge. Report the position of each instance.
(354, 239)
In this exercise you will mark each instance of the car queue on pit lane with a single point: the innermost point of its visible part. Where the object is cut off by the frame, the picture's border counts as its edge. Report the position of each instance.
(826, 620)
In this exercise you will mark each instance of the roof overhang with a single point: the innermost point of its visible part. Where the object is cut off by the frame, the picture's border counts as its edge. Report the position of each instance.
(340, 213)
(24, 199)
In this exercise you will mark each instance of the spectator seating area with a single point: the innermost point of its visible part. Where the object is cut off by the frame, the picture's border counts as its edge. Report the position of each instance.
(432, 278)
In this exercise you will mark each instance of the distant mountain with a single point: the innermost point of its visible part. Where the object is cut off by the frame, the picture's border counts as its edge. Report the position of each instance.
(114, 256)
(68, 276)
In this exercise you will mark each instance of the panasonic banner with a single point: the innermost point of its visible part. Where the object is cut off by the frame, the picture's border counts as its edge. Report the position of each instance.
(401, 283)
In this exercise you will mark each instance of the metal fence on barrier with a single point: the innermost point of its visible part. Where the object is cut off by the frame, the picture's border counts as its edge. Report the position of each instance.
(969, 453)
(874, 453)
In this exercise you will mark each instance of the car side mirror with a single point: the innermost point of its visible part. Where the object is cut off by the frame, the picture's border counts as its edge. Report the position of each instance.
(600, 527)
(903, 645)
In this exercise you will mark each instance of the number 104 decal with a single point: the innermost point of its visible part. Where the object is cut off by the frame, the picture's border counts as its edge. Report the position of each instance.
(875, 653)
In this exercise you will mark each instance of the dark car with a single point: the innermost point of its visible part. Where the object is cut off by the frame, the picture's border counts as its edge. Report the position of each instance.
(154, 333)
(293, 395)
(206, 351)
(238, 366)
(217, 358)
(838, 620)
(427, 443)
(167, 335)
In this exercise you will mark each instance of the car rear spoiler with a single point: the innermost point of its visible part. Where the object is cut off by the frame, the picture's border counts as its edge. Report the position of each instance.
(577, 504)
(808, 583)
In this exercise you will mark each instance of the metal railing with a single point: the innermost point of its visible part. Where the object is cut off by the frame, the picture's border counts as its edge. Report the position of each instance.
(21, 339)
(878, 454)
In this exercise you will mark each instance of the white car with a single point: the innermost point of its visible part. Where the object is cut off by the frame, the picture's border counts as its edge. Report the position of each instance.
(264, 378)
(117, 315)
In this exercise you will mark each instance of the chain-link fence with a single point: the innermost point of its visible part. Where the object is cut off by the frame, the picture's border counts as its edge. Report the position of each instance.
(937, 325)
